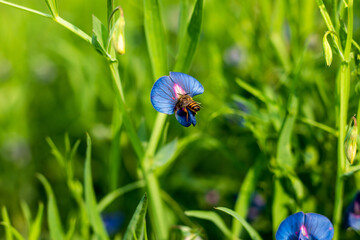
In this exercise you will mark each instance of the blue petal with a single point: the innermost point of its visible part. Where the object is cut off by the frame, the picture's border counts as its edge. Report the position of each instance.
(163, 97)
(181, 117)
(190, 85)
(354, 221)
(289, 229)
(318, 226)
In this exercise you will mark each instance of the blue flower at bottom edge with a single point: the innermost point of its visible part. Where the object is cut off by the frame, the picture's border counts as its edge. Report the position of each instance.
(352, 215)
(174, 93)
(309, 226)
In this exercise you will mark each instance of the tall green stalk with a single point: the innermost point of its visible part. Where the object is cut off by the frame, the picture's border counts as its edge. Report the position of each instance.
(344, 101)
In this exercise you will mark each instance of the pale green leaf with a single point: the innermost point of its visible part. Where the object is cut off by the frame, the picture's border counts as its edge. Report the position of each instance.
(13, 231)
(190, 39)
(52, 7)
(7, 223)
(112, 196)
(155, 37)
(55, 227)
(252, 232)
(135, 229)
(213, 217)
(90, 199)
(35, 228)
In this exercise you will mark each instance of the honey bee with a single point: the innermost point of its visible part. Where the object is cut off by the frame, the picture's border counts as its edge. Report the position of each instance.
(186, 103)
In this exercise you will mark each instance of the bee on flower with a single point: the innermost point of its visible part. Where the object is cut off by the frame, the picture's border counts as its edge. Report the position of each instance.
(174, 93)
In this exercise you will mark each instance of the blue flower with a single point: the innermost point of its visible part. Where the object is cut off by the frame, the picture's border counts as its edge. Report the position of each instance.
(113, 222)
(174, 93)
(352, 216)
(309, 226)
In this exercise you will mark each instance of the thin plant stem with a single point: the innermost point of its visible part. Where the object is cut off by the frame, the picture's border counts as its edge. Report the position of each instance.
(344, 101)
(26, 9)
(152, 183)
(134, 139)
(77, 31)
(319, 125)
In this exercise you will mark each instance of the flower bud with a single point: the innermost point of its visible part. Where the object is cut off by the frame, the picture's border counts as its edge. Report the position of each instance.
(118, 34)
(351, 142)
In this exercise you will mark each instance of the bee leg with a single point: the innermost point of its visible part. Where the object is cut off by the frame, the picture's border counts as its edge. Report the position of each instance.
(187, 114)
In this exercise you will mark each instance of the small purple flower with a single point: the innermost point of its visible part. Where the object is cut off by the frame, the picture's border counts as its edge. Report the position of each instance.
(309, 226)
(174, 94)
(352, 216)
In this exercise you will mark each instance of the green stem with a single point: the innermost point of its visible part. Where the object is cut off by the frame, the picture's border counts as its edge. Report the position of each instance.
(73, 29)
(110, 7)
(152, 184)
(134, 139)
(344, 101)
(339, 187)
(26, 9)
(57, 19)
(319, 125)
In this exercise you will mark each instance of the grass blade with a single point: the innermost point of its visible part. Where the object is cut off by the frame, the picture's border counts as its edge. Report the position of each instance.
(55, 227)
(213, 217)
(90, 199)
(7, 224)
(12, 230)
(190, 40)
(135, 229)
(112, 196)
(155, 37)
(52, 7)
(35, 228)
(252, 232)
(246, 190)
(27, 213)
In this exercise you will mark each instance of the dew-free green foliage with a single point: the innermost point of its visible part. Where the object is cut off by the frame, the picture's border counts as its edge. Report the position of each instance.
(281, 81)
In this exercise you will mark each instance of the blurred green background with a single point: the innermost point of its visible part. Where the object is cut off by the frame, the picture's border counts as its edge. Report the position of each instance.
(52, 83)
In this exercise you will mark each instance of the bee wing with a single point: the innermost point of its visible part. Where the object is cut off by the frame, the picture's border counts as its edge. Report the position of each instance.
(190, 85)
(162, 95)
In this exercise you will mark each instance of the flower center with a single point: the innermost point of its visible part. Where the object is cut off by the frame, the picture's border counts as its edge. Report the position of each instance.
(178, 90)
(304, 231)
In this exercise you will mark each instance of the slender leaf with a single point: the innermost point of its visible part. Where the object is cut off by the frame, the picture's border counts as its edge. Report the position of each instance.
(90, 199)
(284, 156)
(280, 205)
(112, 196)
(183, 18)
(252, 232)
(55, 151)
(7, 223)
(55, 227)
(35, 228)
(245, 193)
(135, 229)
(71, 231)
(213, 217)
(27, 213)
(52, 7)
(155, 37)
(13, 231)
(190, 40)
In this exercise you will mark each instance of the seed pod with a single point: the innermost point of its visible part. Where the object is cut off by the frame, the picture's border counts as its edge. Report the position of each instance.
(351, 142)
